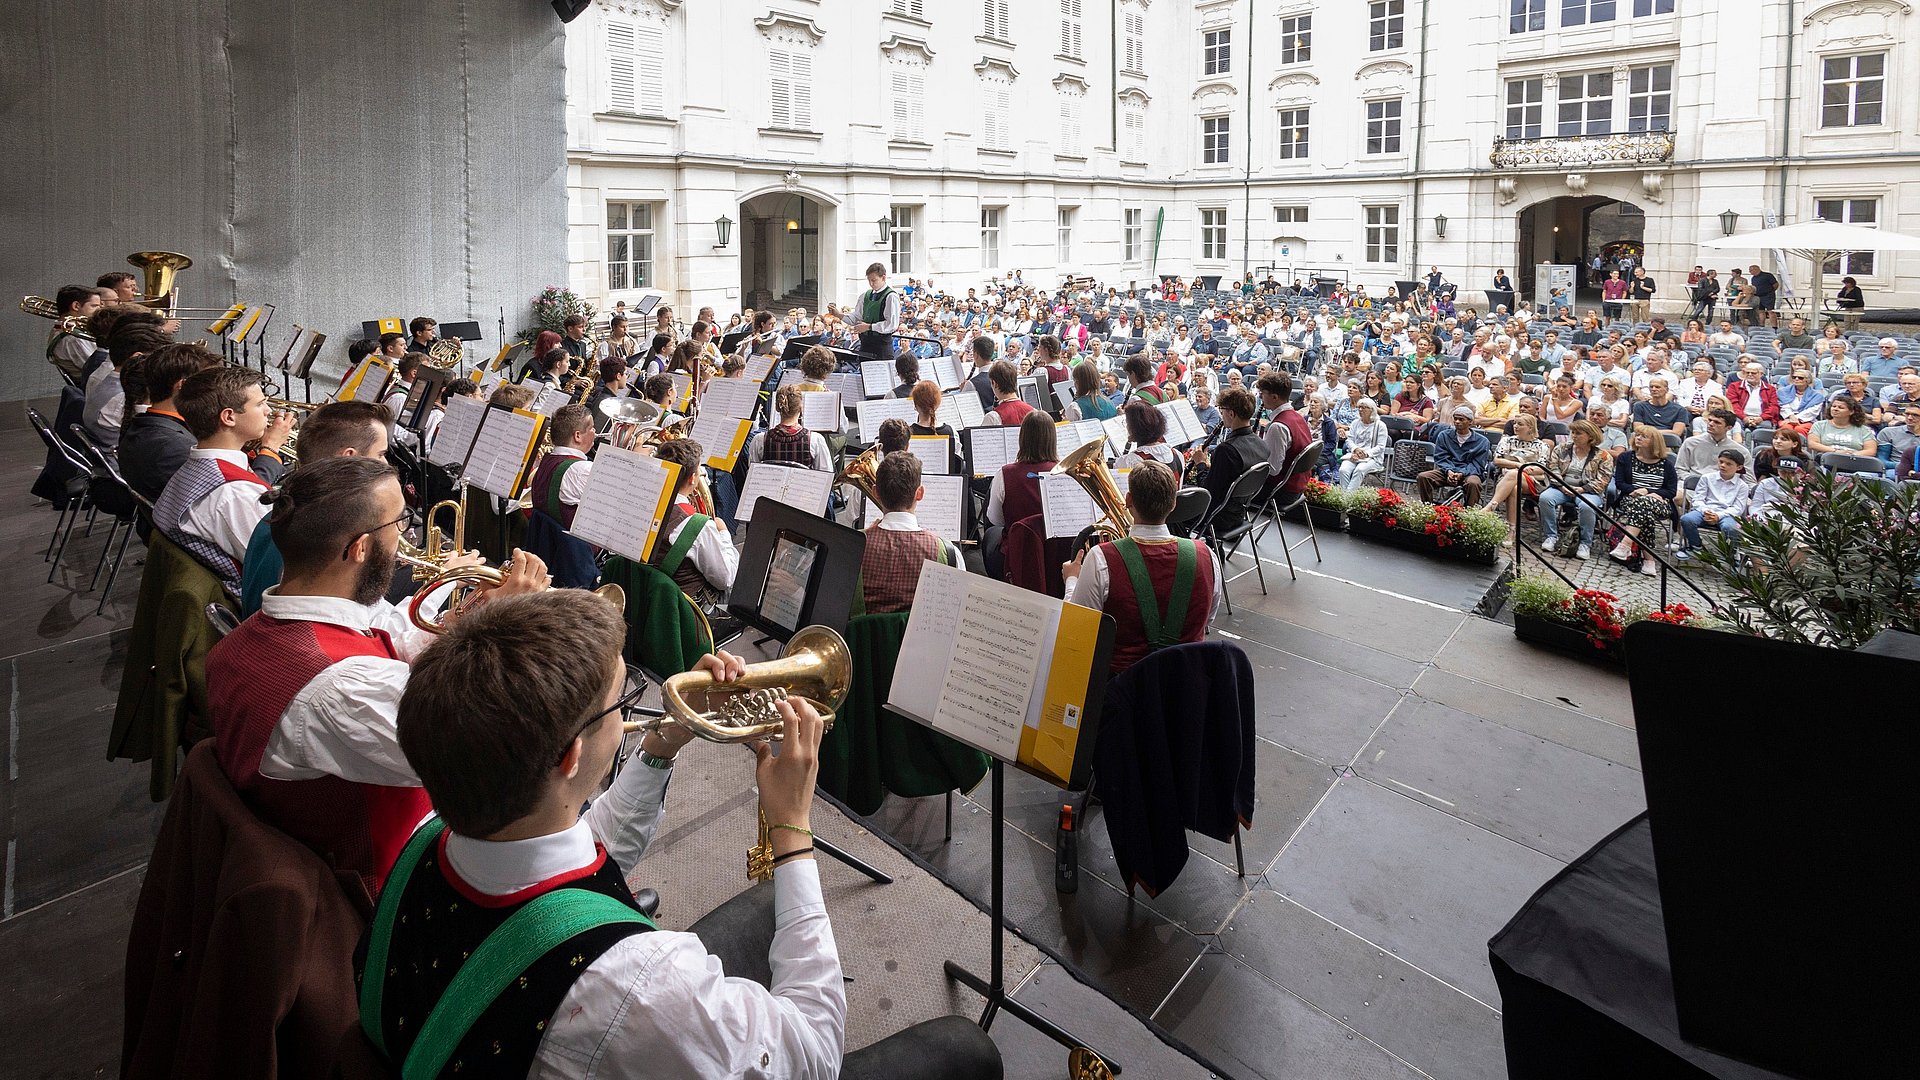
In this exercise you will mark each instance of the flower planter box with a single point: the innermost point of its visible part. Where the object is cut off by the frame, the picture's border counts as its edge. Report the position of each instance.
(1409, 540)
(1565, 639)
(1323, 517)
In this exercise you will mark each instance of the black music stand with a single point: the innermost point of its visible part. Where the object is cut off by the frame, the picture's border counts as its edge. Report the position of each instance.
(644, 305)
(464, 331)
(429, 384)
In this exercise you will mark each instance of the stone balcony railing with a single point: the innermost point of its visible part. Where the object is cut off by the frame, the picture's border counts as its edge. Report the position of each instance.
(1626, 149)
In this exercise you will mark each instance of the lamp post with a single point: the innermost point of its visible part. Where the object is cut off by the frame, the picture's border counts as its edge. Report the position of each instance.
(1729, 221)
(1440, 226)
(723, 230)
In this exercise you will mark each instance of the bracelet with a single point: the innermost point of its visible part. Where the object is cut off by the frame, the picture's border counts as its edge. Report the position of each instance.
(652, 762)
(808, 833)
(794, 854)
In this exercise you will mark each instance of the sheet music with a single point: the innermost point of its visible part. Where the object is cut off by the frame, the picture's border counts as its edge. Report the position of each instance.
(366, 382)
(296, 348)
(549, 400)
(802, 489)
(993, 448)
(454, 441)
(990, 641)
(847, 384)
(499, 456)
(1120, 479)
(1071, 435)
(820, 411)
(972, 413)
(791, 376)
(1191, 429)
(873, 412)
(784, 597)
(1066, 506)
(927, 647)
(944, 370)
(730, 397)
(682, 390)
(759, 367)
(624, 502)
(941, 509)
(1116, 429)
(877, 377)
(935, 453)
(720, 437)
(1063, 393)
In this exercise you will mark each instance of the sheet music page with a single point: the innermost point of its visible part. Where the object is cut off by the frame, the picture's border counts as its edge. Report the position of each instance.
(877, 377)
(730, 397)
(1063, 393)
(682, 390)
(927, 647)
(1116, 429)
(802, 489)
(1001, 642)
(1066, 505)
(791, 376)
(1120, 478)
(499, 456)
(873, 412)
(549, 400)
(1090, 431)
(940, 512)
(759, 367)
(993, 448)
(847, 384)
(624, 502)
(784, 596)
(1190, 424)
(944, 370)
(972, 413)
(820, 411)
(720, 437)
(454, 441)
(1066, 438)
(935, 453)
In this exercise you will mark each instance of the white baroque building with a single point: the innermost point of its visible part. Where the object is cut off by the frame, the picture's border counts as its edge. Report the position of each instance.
(748, 153)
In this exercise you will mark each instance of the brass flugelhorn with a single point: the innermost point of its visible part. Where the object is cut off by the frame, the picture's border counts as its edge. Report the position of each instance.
(1088, 466)
(472, 577)
(816, 667)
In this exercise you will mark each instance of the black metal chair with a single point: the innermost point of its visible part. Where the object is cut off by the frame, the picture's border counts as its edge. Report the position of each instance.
(1411, 457)
(1852, 463)
(76, 488)
(111, 492)
(1190, 508)
(1281, 502)
(1240, 499)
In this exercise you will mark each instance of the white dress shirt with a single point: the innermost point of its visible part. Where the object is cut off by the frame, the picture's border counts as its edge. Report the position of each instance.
(822, 458)
(908, 521)
(712, 553)
(106, 402)
(1090, 588)
(227, 515)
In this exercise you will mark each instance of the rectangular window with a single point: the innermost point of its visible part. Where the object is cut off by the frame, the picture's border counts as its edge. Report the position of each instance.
(1650, 98)
(790, 89)
(1133, 143)
(1289, 215)
(910, 105)
(1133, 59)
(1652, 7)
(997, 102)
(1070, 27)
(902, 240)
(1523, 108)
(629, 246)
(1849, 212)
(1063, 236)
(913, 9)
(1216, 52)
(990, 237)
(1383, 126)
(1853, 90)
(1069, 145)
(1526, 16)
(1383, 234)
(1213, 140)
(1213, 235)
(1294, 143)
(636, 67)
(1130, 235)
(996, 24)
(1582, 12)
(1296, 39)
(1586, 104)
(1386, 25)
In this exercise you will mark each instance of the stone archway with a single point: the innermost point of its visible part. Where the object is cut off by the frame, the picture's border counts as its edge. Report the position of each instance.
(780, 254)
(1571, 230)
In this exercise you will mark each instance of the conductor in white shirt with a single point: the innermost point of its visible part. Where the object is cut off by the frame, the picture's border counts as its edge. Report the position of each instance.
(542, 676)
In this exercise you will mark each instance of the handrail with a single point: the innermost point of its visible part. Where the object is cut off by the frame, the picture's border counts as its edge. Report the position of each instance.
(1646, 549)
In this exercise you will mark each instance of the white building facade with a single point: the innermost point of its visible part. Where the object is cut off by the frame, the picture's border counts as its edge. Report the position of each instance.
(738, 154)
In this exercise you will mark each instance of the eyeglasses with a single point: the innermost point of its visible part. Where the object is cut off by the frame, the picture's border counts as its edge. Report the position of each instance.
(627, 705)
(347, 552)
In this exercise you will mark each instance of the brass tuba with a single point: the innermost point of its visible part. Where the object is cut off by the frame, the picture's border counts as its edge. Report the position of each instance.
(816, 667)
(1088, 466)
(158, 268)
(860, 473)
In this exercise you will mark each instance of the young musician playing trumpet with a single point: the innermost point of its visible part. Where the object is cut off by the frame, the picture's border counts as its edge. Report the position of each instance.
(1160, 589)
(897, 547)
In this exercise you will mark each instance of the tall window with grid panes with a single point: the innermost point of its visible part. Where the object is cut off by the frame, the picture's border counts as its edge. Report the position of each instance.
(629, 245)
(900, 239)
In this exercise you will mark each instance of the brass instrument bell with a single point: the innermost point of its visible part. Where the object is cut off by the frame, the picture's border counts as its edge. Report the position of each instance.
(816, 667)
(158, 269)
(1088, 466)
(446, 353)
(861, 471)
(47, 309)
(473, 577)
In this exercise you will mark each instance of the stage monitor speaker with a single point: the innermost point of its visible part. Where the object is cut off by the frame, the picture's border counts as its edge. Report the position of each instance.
(1783, 816)
(569, 10)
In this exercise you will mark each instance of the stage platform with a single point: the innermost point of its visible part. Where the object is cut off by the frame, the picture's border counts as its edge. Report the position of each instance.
(1421, 773)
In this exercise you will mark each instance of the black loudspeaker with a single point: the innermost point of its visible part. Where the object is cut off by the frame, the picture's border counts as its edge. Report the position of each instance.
(569, 10)
(1783, 811)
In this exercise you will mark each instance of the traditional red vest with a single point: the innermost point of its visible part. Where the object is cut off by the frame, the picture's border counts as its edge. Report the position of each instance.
(1130, 643)
(1012, 411)
(1020, 484)
(890, 567)
(253, 674)
(1302, 435)
(545, 488)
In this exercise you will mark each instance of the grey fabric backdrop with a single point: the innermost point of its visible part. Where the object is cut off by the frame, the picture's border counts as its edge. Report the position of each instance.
(342, 159)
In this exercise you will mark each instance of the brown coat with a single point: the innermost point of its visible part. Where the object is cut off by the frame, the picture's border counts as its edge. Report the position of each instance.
(240, 959)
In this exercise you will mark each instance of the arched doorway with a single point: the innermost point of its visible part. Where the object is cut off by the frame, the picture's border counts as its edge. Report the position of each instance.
(1571, 231)
(780, 257)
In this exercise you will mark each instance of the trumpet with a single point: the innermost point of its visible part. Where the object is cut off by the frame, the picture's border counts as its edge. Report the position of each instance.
(816, 667)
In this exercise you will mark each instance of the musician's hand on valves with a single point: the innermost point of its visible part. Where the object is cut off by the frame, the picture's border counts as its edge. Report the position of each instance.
(278, 429)
(464, 558)
(526, 573)
(786, 779)
(666, 740)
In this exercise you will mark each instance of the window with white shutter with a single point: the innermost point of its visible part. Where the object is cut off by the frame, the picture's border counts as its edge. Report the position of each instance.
(913, 9)
(909, 105)
(650, 69)
(996, 24)
(1134, 57)
(1133, 126)
(998, 100)
(1070, 28)
(790, 89)
(620, 66)
(1070, 126)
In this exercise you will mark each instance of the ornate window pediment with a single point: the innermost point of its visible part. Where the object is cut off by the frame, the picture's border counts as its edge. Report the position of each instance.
(657, 10)
(1069, 83)
(1292, 87)
(796, 31)
(1853, 23)
(1215, 95)
(906, 50)
(1384, 77)
(993, 68)
(1133, 95)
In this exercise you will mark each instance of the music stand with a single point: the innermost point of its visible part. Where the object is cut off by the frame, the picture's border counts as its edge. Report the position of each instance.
(429, 383)
(832, 552)
(730, 342)
(644, 305)
(465, 331)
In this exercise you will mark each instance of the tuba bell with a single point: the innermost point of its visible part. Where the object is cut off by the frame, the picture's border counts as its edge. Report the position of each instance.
(1088, 466)
(158, 269)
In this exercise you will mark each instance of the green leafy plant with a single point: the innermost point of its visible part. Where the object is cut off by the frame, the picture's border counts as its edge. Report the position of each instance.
(1601, 616)
(1327, 496)
(1833, 562)
(1538, 596)
(1479, 530)
(553, 307)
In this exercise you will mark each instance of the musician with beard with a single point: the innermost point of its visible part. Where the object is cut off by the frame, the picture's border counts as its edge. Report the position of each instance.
(303, 695)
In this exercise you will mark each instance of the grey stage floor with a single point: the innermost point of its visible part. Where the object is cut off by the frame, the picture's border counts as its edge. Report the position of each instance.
(1420, 774)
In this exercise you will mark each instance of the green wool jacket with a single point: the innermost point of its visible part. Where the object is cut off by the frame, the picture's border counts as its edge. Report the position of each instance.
(163, 688)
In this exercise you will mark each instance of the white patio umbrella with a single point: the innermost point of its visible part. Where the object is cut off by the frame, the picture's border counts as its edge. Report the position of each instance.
(1819, 241)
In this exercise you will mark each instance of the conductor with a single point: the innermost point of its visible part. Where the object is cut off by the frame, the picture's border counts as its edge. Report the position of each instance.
(879, 309)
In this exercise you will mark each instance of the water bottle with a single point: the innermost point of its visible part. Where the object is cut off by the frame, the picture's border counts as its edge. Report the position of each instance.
(1066, 853)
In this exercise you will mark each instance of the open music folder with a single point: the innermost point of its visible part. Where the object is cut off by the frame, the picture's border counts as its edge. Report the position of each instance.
(625, 502)
(1010, 672)
(721, 438)
(500, 461)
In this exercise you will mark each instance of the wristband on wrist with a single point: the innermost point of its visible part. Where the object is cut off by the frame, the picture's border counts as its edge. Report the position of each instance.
(653, 762)
(794, 854)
